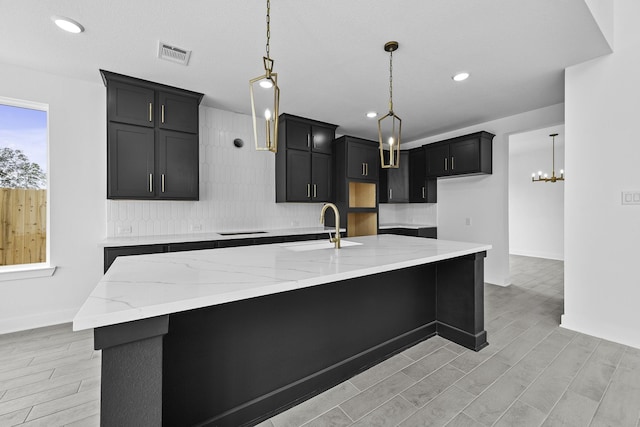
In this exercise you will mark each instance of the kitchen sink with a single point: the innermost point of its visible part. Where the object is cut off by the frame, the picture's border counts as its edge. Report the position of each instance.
(315, 245)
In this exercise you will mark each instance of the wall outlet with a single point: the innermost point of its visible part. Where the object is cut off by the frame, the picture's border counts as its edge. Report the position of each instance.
(467, 221)
(631, 197)
(195, 227)
(123, 230)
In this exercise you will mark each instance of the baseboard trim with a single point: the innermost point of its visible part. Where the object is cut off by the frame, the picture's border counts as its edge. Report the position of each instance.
(537, 254)
(18, 324)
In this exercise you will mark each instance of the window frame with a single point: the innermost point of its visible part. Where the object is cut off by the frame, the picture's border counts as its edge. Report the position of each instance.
(40, 269)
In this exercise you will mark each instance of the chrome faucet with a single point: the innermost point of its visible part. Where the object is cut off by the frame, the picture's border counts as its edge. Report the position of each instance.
(336, 238)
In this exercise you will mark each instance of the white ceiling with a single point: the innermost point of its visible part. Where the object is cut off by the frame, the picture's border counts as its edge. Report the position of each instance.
(328, 54)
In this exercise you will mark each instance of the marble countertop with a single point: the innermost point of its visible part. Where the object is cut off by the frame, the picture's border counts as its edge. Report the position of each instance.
(202, 237)
(144, 286)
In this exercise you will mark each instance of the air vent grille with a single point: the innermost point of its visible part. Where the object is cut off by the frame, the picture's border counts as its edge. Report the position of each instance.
(173, 54)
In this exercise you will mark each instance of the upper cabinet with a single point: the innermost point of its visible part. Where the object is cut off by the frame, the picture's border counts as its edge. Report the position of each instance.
(303, 160)
(394, 182)
(363, 159)
(152, 140)
(463, 155)
(421, 188)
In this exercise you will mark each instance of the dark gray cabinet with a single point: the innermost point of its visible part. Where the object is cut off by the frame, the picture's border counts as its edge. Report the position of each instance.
(303, 160)
(394, 182)
(427, 232)
(152, 140)
(363, 159)
(463, 155)
(421, 188)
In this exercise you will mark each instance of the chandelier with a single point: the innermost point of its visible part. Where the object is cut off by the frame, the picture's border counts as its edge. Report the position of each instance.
(390, 125)
(265, 99)
(544, 177)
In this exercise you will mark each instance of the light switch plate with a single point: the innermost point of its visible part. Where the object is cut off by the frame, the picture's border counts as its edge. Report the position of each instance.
(631, 197)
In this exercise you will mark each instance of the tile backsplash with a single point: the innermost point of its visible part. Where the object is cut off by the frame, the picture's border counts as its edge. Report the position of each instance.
(237, 191)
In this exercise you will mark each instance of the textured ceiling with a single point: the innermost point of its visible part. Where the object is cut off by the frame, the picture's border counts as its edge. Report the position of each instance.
(328, 54)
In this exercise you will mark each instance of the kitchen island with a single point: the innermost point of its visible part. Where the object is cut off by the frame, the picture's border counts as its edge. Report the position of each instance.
(232, 336)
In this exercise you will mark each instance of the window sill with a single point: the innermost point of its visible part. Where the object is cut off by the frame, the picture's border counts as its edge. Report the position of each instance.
(29, 271)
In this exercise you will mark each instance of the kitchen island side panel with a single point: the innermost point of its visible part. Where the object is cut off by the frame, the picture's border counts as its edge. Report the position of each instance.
(244, 361)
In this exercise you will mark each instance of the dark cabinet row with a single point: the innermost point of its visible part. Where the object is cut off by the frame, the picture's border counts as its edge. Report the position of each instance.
(428, 232)
(152, 140)
(463, 155)
(111, 253)
(408, 183)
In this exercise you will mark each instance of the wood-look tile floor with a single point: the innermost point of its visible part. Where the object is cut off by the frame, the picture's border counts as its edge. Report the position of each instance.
(533, 373)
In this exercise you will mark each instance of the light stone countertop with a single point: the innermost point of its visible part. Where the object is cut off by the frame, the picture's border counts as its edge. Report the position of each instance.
(404, 225)
(144, 286)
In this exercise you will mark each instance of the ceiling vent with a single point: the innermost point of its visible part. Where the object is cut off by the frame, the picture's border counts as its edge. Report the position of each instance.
(173, 54)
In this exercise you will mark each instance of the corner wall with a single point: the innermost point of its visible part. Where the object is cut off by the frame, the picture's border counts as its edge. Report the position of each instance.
(602, 237)
(484, 199)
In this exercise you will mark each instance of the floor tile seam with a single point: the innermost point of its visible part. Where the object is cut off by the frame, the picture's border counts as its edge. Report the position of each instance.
(462, 412)
(52, 414)
(513, 403)
(383, 379)
(62, 354)
(606, 389)
(428, 354)
(31, 405)
(533, 381)
(571, 382)
(398, 394)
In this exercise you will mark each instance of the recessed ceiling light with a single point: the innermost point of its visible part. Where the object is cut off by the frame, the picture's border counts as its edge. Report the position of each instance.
(460, 77)
(372, 114)
(68, 24)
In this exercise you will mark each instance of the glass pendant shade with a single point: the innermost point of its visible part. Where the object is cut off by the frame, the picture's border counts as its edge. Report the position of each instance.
(265, 100)
(389, 134)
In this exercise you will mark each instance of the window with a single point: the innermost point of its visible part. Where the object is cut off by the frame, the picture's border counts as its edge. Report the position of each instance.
(23, 186)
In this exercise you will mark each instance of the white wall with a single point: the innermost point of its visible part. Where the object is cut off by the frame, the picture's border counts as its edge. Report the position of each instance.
(237, 189)
(602, 237)
(77, 182)
(238, 192)
(536, 210)
(484, 199)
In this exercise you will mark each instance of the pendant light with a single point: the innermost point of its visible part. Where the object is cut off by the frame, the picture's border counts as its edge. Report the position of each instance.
(265, 99)
(390, 125)
(544, 177)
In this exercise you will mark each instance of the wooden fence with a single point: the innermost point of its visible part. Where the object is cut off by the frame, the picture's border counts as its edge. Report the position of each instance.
(23, 222)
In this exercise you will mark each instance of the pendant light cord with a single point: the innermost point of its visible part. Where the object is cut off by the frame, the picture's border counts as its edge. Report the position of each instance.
(268, 26)
(391, 82)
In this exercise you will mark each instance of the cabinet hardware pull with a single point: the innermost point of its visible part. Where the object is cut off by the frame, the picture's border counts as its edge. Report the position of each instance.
(445, 163)
(452, 164)
(366, 169)
(363, 169)
(162, 114)
(390, 193)
(150, 183)
(423, 196)
(150, 112)
(308, 140)
(308, 190)
(315, 190)
(162, 176)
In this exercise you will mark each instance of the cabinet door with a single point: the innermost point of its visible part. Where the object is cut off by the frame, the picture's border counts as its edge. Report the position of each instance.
(298, 176)
(130, 162)
(130, 104)
(438, 160)
(322, 139)
(398, 181)
(417, 176)
(320, 177)
(465, 156)
(298, 135)
(177, 112)
(178, 165)
(362, 161)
